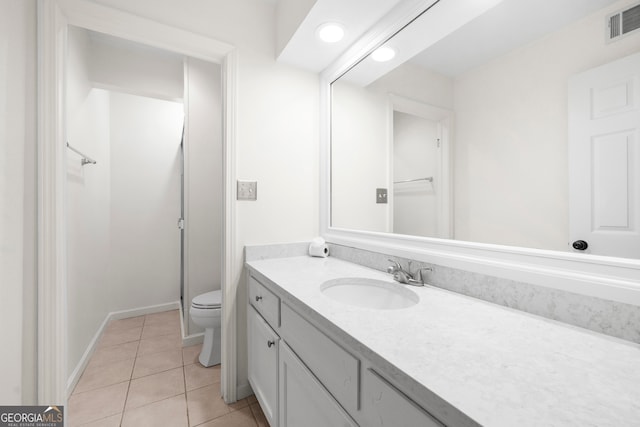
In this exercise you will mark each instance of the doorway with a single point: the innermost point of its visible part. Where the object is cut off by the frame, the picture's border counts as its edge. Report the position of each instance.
(52, 29)
(420, 178)
(153, 118)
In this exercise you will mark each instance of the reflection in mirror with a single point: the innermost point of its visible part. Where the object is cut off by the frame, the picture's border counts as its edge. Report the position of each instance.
(516, 126)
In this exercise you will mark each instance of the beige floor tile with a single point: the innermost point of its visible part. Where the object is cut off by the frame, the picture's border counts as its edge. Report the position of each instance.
(153, 388)
(170, 412)
(120, 336)
(261, 420)
(242, 403)
(163, 318)
(112, 421)
(120, 324)
(157, 362)
(197, 376)
(241, 418)
(103, 375)
(96, 404)
(155, 329)
(252, 399)
(114, 353)
(205, 404)
(190, 354)
(158, 344)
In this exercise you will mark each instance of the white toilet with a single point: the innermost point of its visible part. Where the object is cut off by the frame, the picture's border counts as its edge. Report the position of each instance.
(206, 311)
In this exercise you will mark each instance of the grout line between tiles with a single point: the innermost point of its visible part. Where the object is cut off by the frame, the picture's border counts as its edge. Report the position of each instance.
(126, 396)
(184, 380)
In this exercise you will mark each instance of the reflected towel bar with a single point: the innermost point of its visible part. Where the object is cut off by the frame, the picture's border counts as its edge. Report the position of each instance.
(429, 179)
(85, 159)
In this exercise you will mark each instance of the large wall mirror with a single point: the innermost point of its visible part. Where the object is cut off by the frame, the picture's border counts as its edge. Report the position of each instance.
(515, 123)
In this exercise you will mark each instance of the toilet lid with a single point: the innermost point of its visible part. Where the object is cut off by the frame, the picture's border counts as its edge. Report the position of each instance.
(208, 300)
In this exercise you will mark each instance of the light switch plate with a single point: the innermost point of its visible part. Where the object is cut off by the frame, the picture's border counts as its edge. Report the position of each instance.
(247, 190)
(381, 195)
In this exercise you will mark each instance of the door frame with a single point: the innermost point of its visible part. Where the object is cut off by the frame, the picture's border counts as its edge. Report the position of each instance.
(442, 178)
(54, 16)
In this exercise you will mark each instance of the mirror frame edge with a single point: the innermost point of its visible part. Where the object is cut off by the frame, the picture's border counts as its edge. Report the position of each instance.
(610, 278)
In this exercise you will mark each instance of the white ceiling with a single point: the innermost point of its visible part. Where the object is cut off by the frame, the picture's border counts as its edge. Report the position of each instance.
(509, 24)
(304, 50)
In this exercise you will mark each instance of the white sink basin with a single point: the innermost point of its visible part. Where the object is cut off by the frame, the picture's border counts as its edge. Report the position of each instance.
(369, 293)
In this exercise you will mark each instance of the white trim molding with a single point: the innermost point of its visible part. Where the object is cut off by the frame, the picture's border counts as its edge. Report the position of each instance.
(611, 278)
(53, 18)
(229, 372)
(52, 343)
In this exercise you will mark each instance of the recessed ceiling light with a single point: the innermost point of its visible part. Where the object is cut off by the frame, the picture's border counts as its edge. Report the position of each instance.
(383, 54)
(330, 32)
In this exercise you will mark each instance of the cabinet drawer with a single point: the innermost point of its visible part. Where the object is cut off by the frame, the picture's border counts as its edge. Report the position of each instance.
(265, 301)
(330, 363)
(384, 405)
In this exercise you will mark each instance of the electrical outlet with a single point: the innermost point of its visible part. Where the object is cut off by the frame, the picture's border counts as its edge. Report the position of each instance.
(247, 190)
(381, 195)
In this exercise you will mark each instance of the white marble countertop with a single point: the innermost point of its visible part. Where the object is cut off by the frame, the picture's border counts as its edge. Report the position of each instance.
(498, 366)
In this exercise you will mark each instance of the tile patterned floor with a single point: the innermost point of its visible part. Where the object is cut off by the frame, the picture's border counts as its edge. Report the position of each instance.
(141, 376)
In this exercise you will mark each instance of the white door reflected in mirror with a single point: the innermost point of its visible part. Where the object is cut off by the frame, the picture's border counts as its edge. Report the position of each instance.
(604, 158)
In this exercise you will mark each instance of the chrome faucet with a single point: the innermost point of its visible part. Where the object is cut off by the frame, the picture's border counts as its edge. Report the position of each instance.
(403, 276)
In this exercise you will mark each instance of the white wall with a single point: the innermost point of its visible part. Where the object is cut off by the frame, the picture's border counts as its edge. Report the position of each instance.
(359, 157)
(88, 201)
(415, 155)
(416, 83)
(203, 141)
(145, 135)
(87, 224)
(511, 117)
(17, 208)
(137, 69)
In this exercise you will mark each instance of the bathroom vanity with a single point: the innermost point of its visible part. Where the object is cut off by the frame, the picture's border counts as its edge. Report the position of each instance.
(444, 359)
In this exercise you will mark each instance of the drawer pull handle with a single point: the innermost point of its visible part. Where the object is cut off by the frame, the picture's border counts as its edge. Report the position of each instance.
(271, 343)
(258, 298)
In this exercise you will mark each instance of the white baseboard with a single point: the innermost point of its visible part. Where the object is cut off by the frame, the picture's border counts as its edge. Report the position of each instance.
(135, 312)
(189, 340)
(243, 390)
(84, 360)
(73, 379)
(192, 339)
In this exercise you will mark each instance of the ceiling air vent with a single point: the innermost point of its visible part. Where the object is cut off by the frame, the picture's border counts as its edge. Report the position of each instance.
(624, 22)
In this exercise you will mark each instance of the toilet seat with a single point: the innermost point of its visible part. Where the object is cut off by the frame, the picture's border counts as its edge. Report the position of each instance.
(209, 300)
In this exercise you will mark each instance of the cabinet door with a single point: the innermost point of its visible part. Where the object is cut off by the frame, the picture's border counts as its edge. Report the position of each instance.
(334, 367)
(303, 399)
(384, 405)
(263, 364)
